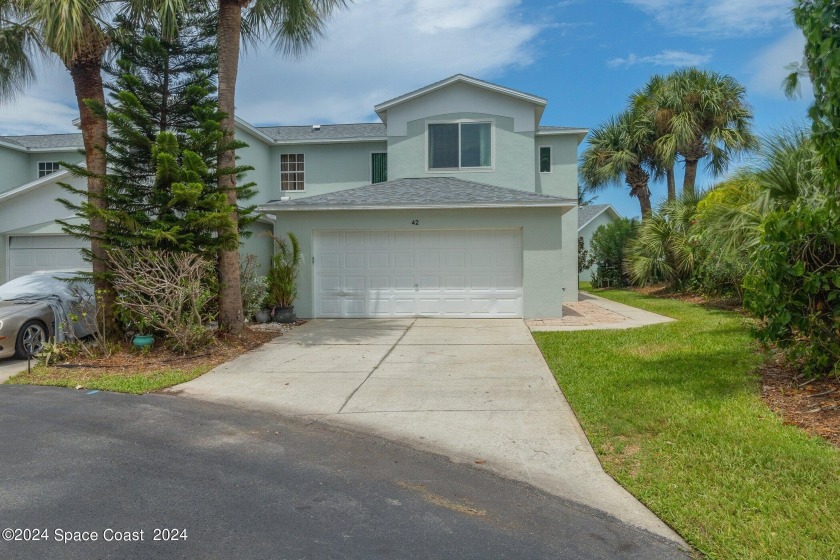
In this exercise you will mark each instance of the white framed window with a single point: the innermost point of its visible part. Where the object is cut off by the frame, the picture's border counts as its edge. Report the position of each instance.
(47, 167)
(291, 172)
(460, 145)
(545, 159)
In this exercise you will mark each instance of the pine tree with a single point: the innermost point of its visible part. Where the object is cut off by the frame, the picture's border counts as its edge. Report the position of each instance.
(164, 139)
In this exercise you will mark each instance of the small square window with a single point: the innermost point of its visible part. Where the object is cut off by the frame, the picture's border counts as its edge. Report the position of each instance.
(291, 172)
(545, 159)
(47, 167)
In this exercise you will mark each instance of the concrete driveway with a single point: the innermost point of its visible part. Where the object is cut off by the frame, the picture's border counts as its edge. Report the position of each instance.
(10, 367)
(478, 391)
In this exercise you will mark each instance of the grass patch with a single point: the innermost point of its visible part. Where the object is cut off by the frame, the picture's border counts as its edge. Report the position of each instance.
(107, 380)
(675, 415)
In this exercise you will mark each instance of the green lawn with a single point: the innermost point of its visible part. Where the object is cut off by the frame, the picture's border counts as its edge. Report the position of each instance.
(104, 380)
(674, 413)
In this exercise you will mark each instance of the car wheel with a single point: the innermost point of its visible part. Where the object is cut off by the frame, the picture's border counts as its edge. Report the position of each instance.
(30, 339)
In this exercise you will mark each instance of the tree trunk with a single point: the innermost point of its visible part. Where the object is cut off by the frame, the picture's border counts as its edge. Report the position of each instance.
(672, 186)
(637, 179)
(87, 82)
(690, 177)
(230, 25)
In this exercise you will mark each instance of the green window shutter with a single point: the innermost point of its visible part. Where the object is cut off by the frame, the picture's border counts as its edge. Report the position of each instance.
(378, 167)
(545, 159)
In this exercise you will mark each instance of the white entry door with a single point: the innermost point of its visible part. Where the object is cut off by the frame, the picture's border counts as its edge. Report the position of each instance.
(442, 273)
(31, 253)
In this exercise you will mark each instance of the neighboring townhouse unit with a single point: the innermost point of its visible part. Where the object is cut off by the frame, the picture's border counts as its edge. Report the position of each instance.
(458, 204)
(590, 218)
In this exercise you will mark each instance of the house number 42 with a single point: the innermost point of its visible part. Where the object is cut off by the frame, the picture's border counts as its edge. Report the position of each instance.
(415, 222)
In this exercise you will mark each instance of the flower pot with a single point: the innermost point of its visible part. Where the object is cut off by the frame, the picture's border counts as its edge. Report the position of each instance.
(262, 316)
(143, 340)
(284, 314)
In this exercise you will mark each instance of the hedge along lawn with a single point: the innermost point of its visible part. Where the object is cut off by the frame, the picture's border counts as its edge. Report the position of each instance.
(674, 413)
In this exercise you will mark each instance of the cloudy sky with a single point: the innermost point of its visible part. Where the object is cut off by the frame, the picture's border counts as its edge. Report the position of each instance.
(585, 56)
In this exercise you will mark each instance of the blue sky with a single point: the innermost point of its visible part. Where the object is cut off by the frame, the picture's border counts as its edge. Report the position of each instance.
(585, 56)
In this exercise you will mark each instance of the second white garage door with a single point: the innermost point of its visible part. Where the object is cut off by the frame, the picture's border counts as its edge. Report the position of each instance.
(444, 273)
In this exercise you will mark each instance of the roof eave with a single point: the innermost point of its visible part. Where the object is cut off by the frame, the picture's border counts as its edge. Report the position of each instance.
(383, 107)
(356, 139)
(567, 203)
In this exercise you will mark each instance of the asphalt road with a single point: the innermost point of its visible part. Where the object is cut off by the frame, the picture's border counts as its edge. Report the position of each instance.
(231, 484)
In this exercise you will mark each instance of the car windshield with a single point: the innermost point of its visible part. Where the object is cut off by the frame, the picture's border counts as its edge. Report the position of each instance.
(35, 285)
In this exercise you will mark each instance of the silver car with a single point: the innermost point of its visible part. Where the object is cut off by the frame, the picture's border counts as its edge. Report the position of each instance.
(32, 306)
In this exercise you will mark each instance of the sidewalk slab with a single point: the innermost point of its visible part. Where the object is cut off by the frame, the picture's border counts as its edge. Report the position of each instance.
(10, 367)
(477, 391)
(592, 312)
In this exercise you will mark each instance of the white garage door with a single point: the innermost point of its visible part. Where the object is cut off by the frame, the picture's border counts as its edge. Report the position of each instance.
(30, 253)
(446, 273)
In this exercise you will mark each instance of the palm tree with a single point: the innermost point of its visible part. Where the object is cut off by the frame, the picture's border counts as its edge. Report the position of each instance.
(291, 26)
(648, 101)
(621, 149)
(77, 32)
(699, 114)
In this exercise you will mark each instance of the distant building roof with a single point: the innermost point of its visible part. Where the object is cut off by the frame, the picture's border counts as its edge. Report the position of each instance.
(425, 192)
(591, 211)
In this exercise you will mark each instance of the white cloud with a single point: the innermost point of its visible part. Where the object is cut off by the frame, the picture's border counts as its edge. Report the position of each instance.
(664, 58)
(47, 107)
(373, 51)
(768, 70)
(717, 17)
(379, 49)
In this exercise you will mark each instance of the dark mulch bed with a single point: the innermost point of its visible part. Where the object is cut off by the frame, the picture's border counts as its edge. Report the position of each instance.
(811, 404)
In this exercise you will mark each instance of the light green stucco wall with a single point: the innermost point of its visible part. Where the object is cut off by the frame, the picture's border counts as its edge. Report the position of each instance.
(256, 155)
(13, 169)
(327, 167)
(603, 219)
(73, 156)
(513, 153)
(562, 180)
(547, 247)
(258, 244)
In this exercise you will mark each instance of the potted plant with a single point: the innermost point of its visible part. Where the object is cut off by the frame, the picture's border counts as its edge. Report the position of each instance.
(142, 337)
(282, 278)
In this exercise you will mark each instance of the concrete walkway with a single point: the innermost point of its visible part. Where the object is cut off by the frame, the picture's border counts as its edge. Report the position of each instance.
(596, 313)
(10, 367)
(477, 391)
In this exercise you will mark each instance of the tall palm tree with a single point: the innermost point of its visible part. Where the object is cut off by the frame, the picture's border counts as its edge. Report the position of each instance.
(648, 101)
(700, 114)
(621, 149)
(291, 26)
(77, 33)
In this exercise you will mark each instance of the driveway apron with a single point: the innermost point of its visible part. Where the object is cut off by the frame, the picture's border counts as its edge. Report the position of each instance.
(475, 390)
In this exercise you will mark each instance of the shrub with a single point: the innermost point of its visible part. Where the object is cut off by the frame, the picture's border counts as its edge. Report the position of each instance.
(584, 260)
(665, 247)
(609, 247)
(794, 285)
(282, 278)
(169, 291)
(252, 285)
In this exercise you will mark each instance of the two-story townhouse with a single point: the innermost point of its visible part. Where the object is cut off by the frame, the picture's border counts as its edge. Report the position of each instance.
(458, 204)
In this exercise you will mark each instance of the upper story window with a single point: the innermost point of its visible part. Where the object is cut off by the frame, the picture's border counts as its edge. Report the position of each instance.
(291, 172)
(378, 167)
(463, 145)
(47, 167)
(545, 159)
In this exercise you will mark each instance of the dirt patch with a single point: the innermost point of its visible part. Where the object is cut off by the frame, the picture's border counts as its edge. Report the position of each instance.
(663, 291)
(812, 405)
(127, 360)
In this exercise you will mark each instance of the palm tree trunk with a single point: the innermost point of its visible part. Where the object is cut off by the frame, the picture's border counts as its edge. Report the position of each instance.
(672, 187)
(87, 82)
(228, 36)
(637, 179)
(690, 177)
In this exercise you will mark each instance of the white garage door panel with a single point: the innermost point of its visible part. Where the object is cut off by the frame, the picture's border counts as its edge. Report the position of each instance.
(31, 253)
(449, 273)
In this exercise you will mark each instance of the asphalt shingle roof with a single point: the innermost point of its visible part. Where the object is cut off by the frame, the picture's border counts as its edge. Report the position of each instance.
(327, 132)
(586, 213)
(425, 192)
(46, 141)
